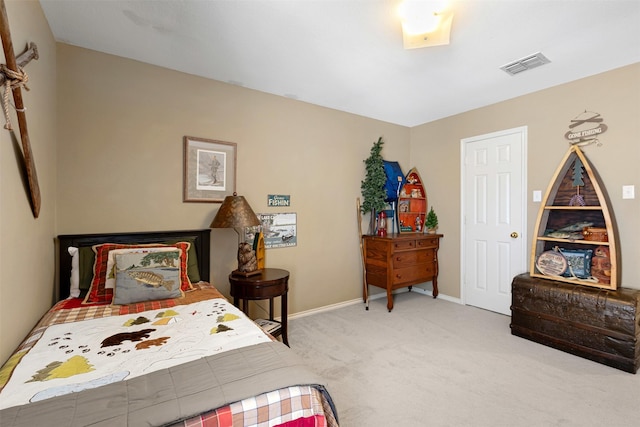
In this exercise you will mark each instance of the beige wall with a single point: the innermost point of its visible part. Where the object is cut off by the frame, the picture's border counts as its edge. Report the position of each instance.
(435, 150)
(122, 124)
(26, 252)
(109, 158)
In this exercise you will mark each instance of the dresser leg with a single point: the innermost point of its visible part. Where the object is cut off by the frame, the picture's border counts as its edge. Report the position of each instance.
(389, 300)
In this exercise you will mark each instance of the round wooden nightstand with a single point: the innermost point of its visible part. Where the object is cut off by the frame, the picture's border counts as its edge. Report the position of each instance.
(269, 284)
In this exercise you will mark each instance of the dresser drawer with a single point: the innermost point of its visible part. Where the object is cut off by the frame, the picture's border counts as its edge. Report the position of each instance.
(429, 270)
(417, 274)
(411, 258)
(427, 243)
(404, 245)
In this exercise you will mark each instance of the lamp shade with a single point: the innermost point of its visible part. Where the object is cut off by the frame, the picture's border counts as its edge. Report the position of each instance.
(235, 212)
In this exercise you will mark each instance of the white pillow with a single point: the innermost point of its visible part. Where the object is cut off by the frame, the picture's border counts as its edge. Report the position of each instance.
(110, 283)
(74, 289)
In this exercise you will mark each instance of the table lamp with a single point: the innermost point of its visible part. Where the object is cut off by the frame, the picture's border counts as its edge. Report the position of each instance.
(236, 213)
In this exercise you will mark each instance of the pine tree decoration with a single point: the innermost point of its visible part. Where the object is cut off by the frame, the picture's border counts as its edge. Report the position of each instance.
(431, 222)
(577, 199)
(372, 186)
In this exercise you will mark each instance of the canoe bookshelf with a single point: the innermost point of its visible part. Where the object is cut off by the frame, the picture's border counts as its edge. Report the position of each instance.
(412, 204)
(575, 204)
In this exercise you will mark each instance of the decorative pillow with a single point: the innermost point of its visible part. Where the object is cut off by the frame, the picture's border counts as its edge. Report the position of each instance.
(99, 294)
(111, 261)
(192, 259)
(74, 280)
(579, 262)
(88, 258)
(147, 276)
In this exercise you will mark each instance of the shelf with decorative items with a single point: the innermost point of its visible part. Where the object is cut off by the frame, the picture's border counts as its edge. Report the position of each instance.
(412, 204)
(575, 238)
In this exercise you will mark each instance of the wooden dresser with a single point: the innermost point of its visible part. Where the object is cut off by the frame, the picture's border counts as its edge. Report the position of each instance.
(401, 260)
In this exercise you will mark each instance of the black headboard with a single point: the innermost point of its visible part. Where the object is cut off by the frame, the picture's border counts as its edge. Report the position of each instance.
(201, 240)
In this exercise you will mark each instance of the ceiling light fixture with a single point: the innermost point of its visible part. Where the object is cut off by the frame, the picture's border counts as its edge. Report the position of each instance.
(425, 23)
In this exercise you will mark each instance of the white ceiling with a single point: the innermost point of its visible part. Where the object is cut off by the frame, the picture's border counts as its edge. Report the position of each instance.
(348, 54)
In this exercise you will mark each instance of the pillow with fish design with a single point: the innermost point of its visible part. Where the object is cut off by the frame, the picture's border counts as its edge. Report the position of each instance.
(147, 276)
(99, 294)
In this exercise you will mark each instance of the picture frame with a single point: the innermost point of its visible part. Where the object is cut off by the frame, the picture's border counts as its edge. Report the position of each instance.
(551, 263)
(209, 170)
(279, 230)
(578, 262)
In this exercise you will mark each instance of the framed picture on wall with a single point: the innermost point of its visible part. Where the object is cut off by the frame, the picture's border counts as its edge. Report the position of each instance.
(209, 170)
(280, 230)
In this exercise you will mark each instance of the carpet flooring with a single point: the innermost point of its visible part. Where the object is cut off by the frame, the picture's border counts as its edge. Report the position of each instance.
(437, 363)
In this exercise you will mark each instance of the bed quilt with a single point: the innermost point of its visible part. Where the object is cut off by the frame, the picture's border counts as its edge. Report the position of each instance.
(183, 391)
(70, 357)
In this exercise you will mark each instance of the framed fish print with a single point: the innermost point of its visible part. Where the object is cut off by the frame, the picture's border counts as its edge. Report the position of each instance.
(578, 262)
(209, 170)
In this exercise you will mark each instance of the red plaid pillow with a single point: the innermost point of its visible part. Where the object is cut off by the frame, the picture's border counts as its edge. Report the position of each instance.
(99, 294)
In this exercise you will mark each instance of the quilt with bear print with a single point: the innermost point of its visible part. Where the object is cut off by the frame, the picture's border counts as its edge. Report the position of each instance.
(75, 356)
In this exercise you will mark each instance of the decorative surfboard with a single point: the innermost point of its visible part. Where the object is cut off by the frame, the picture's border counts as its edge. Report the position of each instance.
(575, 237)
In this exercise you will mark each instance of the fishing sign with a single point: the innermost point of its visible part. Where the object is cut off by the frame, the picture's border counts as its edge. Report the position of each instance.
(585, 129)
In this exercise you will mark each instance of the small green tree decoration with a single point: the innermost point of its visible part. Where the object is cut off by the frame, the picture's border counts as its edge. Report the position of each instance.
(431, 223)
(372, 186)
(577, 199)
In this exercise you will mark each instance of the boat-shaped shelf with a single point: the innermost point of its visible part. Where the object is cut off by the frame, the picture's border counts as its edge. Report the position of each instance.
(575, 237)
(412, 204)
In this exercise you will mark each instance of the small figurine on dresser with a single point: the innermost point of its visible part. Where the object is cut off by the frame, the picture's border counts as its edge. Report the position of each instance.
(247, 260)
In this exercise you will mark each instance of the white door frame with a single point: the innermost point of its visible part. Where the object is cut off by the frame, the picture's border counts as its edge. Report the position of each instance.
(524, 238)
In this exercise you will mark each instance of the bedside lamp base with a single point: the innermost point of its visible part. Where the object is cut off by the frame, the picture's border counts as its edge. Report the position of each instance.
(246, 273)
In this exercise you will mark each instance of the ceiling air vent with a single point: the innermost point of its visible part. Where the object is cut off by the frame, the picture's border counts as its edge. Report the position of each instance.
(524, 64)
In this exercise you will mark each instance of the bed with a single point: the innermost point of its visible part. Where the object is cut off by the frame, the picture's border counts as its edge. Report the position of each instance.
(143, 338)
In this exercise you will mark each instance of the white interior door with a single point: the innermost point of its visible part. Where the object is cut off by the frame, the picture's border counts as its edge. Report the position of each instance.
(493, 217)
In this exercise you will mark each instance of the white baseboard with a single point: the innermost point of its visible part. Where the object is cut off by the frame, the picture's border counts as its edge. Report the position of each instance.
(430, 293)
(325, 308)
(371, 297)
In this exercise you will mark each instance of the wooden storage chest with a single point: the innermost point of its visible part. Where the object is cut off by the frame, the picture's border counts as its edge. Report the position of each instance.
(597, 324)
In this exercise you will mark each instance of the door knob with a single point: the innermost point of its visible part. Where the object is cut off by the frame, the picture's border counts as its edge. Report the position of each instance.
(514, 235)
